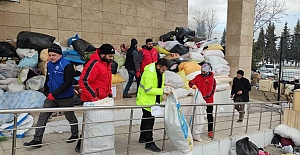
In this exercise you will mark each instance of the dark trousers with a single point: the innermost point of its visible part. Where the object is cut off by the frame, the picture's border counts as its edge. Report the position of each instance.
(147, 124)
(44, 116)
(240, 107)
(131, 74)
(210, 118)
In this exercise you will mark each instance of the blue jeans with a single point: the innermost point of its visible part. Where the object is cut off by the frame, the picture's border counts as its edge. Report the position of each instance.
(131, 74)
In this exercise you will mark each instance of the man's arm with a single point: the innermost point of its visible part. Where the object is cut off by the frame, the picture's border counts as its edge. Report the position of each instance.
(88, 77)
(68, 80)
(247, 86)
(211, 88)
(135, 55)
(139, 61)
(149, 79)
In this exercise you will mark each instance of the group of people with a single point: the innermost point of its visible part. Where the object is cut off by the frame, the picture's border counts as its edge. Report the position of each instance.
(145, 66)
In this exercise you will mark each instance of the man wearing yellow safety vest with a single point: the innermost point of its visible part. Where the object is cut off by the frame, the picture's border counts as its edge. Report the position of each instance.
(150, 92)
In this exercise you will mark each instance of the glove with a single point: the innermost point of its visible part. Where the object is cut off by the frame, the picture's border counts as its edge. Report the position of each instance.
(95, 99)
(168, 90)
(194, 87)
(50, 97)
(110, 95)
(138, 74)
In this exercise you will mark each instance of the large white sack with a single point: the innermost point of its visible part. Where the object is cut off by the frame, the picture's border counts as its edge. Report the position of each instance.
(196, 56)
(9, 70)
(97, 130)
(132, 89)
(173, 79)
(15, 87)
(8, 81)
(221, 69)
(183, 93)
(171, 44)
(223, 79)
(223, 87)
(216, 60)
(288, 132)
(198, 118)
(176, 126)
(192, 75)
(24, 52)
(204, 43)
(218, 53)
(36, 82)
(124, 73)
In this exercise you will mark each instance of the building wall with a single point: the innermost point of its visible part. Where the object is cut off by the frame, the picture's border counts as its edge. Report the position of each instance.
(97, 21)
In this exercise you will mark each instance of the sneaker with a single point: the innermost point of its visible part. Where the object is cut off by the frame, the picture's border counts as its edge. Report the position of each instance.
(152, 147)
(210, 134)
(72, 139)
(33, 142)
(240, 120)
(127, 96)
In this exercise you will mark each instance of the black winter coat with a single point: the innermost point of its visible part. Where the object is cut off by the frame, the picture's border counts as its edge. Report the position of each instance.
(242, 84)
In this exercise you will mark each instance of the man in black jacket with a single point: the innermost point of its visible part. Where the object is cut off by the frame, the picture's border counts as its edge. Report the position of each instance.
(240, 93)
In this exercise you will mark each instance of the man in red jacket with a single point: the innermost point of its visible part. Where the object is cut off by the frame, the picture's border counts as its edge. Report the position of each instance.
(206, 84)
(95, 79)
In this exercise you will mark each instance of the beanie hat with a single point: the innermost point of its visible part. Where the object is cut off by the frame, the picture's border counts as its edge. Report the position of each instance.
(205, 68)
(134, 42)
(55, 48)
(241, 72)
(107, 49)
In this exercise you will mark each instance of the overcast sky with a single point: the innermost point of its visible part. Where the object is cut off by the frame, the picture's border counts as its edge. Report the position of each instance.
(221, 9)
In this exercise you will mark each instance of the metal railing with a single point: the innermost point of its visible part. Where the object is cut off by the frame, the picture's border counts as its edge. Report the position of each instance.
(274, 108)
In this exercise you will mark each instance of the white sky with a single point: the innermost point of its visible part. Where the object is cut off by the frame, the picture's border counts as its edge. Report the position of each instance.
(221, 9)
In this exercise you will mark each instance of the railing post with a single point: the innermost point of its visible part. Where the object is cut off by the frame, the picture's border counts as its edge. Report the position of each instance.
(193, 118)
(13, 150)
(281, 111)
(248, 114)
(82, 130)
(271, 118)
(260, 115)
(129, 133)
(215, 119)
(231, 129)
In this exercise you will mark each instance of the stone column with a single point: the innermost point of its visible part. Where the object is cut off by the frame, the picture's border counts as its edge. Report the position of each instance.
(239, 35)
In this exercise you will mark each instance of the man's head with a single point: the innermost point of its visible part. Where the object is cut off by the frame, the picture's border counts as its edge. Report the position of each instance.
(107, 52)
(134, 42)
(239, 74)
(205, 69)
(149, 43)
(54, 53)
(162, 65)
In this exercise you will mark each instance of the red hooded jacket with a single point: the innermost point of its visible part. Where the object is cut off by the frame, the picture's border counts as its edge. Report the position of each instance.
(95, 79)
(148, 57)
(206, 85)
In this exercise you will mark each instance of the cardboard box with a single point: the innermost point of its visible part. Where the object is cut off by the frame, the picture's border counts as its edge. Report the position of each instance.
(296, 101)
(117, 91)
(291, 118)
(265, 85)
(256, 76)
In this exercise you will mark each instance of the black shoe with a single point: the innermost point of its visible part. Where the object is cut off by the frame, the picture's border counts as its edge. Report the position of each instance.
(152, 147)
(72, 139)
(77, 148)
(33, 142)
(127, 96)
(240, 120)
(142, 140)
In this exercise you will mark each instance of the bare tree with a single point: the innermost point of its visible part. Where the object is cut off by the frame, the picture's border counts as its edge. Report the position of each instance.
(206, 22)
(267, 11)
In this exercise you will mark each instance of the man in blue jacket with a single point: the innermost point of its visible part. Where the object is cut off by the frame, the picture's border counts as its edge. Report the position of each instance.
(59, 86)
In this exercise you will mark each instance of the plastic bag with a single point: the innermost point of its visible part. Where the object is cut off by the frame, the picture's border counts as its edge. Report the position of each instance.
(81, 45)
(176, 124)
(161, 50)
(34, 40)
(213, 60)
(183, 33)
(36, 82)
(192, 75)
(218, 53)
(7, 50)
(214, 46)
(180, 49)
(189, 67)
(171, 44)
(198, 118)
(246, 147)
(70, 40)
(173, 79)
(15, 87)
(222, 87)
(8, 81)
(27, 73)
(170, 36)
(95, 133)
(223, 79)
(30, 60)
(9, 70)
(117, 78)
(86, 55)
(73, 56)
(120, 60)
(114, 67)
(22, 53)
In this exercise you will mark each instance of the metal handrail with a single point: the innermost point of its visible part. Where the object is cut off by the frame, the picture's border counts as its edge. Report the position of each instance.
(131, 119)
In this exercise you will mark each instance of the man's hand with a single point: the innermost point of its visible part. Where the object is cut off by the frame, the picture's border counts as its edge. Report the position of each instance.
(240, 92)
(95, 99)
(231, 96)
(138, 74)
(50, 97)
(168, 90)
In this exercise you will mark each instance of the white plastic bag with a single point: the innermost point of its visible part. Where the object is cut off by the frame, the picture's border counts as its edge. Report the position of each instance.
(213, 60)
(173, 79)
(223, 79)
(196, 56)
(198, 118)
(99, 144)
(22, 52)
(183, 93)
(232, 151)
(176, 126)
(9, 70)
(171, 44)
(192, 75)
(222, 87)
(218, 53)
(36, 82)
(30, 60)
(221, 69)
(15, 87)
